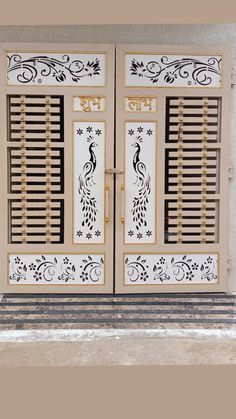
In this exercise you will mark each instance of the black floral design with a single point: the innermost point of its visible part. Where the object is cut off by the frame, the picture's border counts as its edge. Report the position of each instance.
(30, 69)
(79, 131)
(130, 233)
(19, 270)
(92, 270)
(46, 269)
(148, 233)
(181, 268)
(199, 71)
(67, 269)
(79, 233)
(160, 270)
(136, 270)
(207, 269)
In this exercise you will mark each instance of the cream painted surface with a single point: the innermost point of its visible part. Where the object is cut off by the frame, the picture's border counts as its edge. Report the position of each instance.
(203, 34)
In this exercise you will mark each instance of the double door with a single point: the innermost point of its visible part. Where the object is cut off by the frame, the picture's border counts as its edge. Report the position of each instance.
(113, 170)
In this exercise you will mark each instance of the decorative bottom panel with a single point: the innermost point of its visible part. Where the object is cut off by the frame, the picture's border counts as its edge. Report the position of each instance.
(33, 269)
(170, 268)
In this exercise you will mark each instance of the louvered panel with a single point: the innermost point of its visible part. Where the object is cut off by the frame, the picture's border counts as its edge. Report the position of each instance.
(34, 219)
(192, 173)
(35, 115)
(35, 169)
(194, 113)
(35, 162)
(198, 169)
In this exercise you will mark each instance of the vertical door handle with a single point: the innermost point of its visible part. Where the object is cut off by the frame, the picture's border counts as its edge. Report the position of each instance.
(122, 218)
(107, 204)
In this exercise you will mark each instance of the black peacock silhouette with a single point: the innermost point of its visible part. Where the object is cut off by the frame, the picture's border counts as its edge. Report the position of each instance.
(86, 182)
(143, 182)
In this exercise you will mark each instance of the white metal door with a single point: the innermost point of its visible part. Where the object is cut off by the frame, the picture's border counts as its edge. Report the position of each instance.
(57, 138)
(172, 117)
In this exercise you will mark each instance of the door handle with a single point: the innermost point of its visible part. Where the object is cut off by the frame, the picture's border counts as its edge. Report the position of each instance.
(107, 204)
(114, 171)
(122, 218)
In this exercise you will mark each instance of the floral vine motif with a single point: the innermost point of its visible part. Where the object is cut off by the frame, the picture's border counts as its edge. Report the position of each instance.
(182, 269)
(59, 69)
(198, 70)
(19, 270)
(207, 269)
(68, 270)
(136, 270)
(92, 270)
(44, 270)
(160, 269)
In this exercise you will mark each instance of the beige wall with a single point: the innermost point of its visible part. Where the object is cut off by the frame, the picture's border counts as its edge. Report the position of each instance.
(224, 34)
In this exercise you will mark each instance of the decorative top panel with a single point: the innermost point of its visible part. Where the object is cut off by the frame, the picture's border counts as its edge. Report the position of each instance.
(158, 70)
(56, 69)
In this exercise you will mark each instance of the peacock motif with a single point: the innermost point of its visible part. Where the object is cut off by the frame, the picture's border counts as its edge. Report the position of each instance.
(86, 182)
(142, 182)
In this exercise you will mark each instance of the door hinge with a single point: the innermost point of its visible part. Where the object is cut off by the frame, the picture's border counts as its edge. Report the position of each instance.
(230, 172)
(229, 263)
(233, 78)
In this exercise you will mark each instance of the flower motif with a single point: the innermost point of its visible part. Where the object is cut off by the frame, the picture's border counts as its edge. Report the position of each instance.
(140, 129)
(84, 276)
(189, 275)
(32, 267)
(59, 75)
(148, 233)
(169, 77)
(88, 236)
(149, 132)
(98, 132)
(79, 131)
(17, 260)
(130, 233)
(79, 233)
(209, 259)
(139, 236)
(89, 129)
(38, 275)
(162, 261)
(131, 132)
(194, 266)
(66, 260)
(143, 276)
(97, 233)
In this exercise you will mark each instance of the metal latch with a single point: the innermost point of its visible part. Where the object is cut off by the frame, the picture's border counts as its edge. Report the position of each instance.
(114, 171)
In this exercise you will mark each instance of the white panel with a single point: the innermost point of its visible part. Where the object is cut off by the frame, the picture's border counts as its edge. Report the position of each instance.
(56, 269)
(56, 69)
(89, 104)
(141, 104)
(140, 182)
(89, 148)
(170, 269)
(157, 70)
